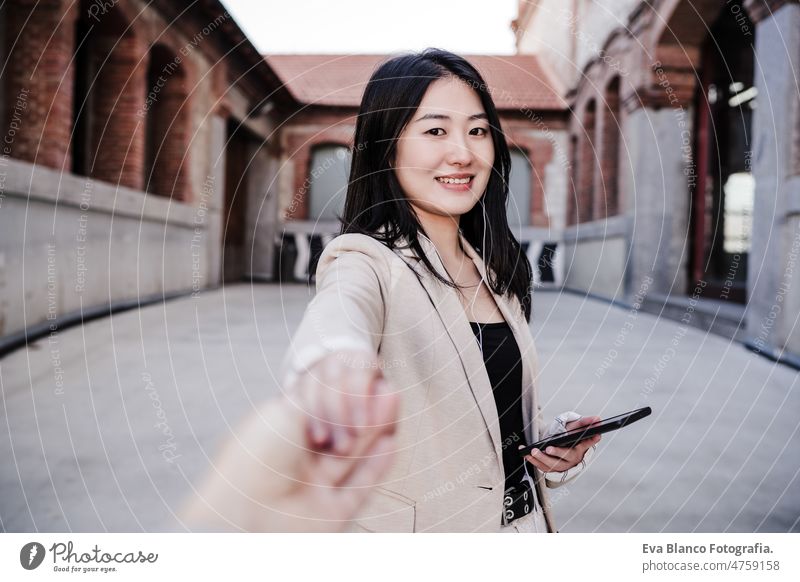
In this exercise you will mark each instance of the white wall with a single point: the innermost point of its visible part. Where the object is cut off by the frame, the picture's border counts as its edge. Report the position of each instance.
(69, 243)
(566, 34)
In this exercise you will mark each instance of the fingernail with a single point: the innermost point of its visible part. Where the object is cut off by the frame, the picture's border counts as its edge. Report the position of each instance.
(319, 434)
(535, 452)
(549, 450)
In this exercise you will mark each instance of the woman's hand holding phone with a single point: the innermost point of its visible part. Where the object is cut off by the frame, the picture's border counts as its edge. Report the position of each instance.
(563, 458)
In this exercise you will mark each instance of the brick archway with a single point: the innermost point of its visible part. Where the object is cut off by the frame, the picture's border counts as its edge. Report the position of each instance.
(677, 39)
(108, 140)
(167, 119)
(607, 199)
(587, 163)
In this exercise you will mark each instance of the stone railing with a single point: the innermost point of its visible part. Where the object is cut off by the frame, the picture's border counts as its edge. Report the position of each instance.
(300, 243)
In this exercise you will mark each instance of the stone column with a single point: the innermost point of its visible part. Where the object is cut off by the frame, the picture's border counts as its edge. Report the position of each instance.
(658, 200)
(212, 195)
(773, 282)
(262, 214)
(587, 164)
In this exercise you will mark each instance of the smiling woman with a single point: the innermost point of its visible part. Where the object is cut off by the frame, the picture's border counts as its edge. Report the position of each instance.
(445, 136)
(427, 121)
(427, 273)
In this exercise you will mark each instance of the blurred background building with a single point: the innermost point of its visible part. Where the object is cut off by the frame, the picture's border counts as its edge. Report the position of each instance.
(316, 148)
(149, 150)
(140, 145)
(684, 141)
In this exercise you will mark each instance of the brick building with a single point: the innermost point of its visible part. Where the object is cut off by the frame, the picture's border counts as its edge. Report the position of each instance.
(684, 138)
(151, 151)
(139, 144)
(315, 146)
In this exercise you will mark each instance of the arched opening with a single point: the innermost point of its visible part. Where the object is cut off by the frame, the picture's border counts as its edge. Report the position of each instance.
(609, 203)
(585, 196)
(239, 148)
(519, 201)
(328, 175)
(722, 209)
(572, 201)
(106, 142)
(167, 125)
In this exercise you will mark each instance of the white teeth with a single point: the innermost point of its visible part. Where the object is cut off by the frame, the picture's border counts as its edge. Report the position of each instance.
(454, 180)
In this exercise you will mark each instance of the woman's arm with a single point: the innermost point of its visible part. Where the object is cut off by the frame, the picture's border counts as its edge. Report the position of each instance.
(306, 461)
(347, 312)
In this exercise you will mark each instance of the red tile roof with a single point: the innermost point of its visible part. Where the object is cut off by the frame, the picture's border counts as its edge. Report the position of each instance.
(516, 81)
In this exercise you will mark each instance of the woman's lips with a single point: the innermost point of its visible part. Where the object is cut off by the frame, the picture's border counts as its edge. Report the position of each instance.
(456, 187)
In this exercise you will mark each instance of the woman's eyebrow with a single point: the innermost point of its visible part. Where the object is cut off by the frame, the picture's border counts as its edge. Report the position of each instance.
(442, 116)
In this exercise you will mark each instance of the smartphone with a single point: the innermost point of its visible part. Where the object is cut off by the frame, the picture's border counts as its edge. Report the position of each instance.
(574, 436)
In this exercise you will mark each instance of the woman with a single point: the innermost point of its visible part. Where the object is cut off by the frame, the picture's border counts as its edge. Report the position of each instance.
(427, 274)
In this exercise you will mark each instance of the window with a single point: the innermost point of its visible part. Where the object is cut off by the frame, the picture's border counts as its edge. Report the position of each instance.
(519, 200)
(167, 125)
(328, 176)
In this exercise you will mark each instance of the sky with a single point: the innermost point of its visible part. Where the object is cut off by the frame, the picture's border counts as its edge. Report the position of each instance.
(377, 26)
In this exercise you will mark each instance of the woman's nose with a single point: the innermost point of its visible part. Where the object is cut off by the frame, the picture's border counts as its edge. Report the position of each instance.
(458, 152)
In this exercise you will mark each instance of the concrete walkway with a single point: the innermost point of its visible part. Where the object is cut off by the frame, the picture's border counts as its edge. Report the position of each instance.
(103, 427)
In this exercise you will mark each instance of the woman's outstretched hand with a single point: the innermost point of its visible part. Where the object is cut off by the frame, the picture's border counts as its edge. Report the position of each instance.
(563, 458)
(306, 461)
(335, 394)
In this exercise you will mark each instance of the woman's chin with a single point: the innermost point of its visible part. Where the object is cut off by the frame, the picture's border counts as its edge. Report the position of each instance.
(454, 207)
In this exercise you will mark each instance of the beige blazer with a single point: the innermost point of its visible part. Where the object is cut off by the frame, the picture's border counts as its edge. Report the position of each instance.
(448, 474)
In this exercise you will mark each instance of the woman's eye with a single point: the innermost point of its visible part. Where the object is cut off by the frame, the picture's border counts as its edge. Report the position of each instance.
(483, 130)
(435, 129)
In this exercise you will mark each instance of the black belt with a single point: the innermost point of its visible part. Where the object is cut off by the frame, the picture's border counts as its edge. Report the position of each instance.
(517, 502)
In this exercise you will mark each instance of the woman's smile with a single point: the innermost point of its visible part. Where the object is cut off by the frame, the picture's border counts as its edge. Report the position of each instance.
(456, 184)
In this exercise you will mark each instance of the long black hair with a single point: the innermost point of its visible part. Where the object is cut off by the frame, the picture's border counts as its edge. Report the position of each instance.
(375, 198)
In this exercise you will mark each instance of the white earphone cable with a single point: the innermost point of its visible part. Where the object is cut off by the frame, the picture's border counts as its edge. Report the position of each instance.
(483, 279)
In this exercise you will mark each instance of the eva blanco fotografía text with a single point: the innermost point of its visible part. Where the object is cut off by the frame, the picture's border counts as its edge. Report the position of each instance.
(757, 548)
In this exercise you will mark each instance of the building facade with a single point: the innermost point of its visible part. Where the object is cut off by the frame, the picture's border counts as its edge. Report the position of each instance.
(316, 146)
(684, 138)
(138, 157)
(149, 150)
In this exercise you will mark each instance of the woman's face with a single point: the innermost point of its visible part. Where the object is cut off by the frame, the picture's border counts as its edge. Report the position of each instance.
(448, 135)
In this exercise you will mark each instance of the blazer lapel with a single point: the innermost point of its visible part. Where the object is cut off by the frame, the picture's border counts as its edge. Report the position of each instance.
(530, 371)
(527, 349)
(449, 309)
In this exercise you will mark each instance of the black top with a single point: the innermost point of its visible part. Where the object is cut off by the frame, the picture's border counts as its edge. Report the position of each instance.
(504, 365)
